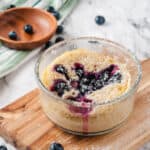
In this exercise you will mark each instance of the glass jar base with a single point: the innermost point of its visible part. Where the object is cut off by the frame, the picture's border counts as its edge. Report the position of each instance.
(93, 133)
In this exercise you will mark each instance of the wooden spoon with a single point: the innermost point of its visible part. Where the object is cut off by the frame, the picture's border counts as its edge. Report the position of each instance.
(44, 26)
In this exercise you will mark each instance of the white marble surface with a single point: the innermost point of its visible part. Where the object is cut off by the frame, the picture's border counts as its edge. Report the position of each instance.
(127, 22)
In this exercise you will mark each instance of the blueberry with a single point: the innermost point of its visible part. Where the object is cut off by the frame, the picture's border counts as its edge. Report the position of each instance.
(92, 82)
(59, 39)
(99, 20)
(56, 14)
(83, 89)
(105, 76)
(61, 69)
(3, 147)
(98, 85)
(51, 9)
(11, 6)
(56, 146)
(59, 86)
(79, 69)
(28, 29)
(12, 35)
(48, 44)
(85, 80)
(59, 29)
(79, 72)
(115, 78)
(90, 75)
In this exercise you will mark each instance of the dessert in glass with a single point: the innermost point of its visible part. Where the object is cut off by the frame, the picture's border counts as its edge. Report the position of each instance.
(88, 84)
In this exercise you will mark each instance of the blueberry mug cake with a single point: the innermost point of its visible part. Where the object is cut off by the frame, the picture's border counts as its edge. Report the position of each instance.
(83, 85)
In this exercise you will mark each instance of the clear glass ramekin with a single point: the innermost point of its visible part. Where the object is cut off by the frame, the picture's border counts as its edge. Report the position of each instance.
(102, 117)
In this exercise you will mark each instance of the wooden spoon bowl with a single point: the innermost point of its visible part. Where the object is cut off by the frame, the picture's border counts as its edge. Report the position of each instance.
(44, 26)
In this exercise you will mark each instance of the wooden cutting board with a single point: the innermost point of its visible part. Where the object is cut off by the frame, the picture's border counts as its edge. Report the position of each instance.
(24, 124)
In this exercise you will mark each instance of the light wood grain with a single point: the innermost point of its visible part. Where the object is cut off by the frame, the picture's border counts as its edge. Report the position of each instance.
(24, 124)
(44, 26)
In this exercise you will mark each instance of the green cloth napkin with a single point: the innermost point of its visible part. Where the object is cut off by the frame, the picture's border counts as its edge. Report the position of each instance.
(11, 59)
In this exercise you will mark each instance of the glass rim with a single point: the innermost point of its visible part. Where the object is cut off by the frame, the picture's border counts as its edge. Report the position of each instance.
(122, 97)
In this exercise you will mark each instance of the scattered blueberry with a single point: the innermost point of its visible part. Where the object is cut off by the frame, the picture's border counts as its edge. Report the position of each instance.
(47, 44)
(3, 147)
(60, 29)
(28, 29)
(56, 14)
(59, 39)
(12, 35)
(99, 20)
(11, 6)
(51, 9)
(56, 146)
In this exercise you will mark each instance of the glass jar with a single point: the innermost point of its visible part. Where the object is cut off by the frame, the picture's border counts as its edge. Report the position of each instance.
(91, 118)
